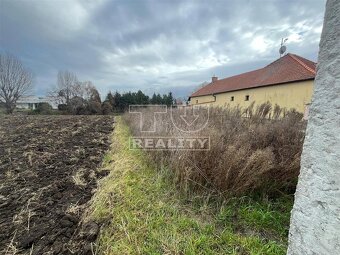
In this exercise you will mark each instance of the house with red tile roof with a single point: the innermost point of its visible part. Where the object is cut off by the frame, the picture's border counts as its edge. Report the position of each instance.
(287, 82)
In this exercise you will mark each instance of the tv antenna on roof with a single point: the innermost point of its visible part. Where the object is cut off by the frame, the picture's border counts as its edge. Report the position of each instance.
(283, 47)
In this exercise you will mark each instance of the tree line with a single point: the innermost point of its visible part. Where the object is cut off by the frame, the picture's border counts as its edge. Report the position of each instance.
(72, 95)
(76, 97)
(121, 102)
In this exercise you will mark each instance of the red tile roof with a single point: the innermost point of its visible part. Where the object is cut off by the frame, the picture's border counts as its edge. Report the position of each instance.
(289, 68)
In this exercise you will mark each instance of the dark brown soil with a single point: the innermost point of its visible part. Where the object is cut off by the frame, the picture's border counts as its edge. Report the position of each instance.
(48, 172)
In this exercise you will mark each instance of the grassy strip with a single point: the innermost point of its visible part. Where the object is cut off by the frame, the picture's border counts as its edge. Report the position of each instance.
(143, 213)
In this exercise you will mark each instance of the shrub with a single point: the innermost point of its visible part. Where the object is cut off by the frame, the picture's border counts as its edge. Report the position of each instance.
(106, 108)
(94, 107)
(44, 108)
(251, 151)
(62, 107)
(80, 106)
(77, 105)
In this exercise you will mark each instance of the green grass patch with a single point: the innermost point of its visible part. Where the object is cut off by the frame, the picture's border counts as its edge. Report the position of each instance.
(142, 212)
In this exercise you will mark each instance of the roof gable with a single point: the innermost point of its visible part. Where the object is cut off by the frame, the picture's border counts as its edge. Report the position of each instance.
(289, 68)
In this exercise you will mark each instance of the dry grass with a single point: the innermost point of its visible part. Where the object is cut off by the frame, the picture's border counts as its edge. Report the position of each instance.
(78, 178)
(256, 150)
(11, 248)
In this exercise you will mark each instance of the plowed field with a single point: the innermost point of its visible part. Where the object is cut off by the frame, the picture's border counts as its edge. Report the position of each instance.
(48, 172)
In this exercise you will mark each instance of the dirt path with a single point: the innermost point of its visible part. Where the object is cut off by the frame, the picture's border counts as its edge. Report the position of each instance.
(48, 170)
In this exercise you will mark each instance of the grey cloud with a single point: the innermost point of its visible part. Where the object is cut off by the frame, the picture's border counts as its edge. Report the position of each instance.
(155, 45)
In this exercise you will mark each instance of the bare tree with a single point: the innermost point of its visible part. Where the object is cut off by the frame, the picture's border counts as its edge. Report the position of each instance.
(77, 97)
(83, 89)
(15, 81)
(91, 92)
(66, 87)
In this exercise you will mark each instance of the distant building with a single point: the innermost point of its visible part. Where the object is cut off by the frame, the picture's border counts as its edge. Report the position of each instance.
(32, 102)
(287, 82)
(180, 102)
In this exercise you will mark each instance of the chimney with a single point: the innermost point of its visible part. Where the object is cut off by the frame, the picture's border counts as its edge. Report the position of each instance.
(213, 79)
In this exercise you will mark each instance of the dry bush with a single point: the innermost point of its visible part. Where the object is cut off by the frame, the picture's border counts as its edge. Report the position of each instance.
(256, 150)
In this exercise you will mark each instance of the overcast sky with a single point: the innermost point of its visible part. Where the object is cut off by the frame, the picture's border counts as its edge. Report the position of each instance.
(156, 45)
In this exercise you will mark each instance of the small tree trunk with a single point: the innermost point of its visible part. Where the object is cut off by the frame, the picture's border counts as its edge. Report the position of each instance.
(9, 108)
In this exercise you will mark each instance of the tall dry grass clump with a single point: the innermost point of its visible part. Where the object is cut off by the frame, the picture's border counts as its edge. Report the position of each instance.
(256, 150)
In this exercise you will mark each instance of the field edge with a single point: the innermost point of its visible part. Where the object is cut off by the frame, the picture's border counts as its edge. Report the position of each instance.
(142, 212)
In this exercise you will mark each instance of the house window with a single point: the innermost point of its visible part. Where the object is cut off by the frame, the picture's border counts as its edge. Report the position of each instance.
(196, 101)
(232, 98)
(246, 98)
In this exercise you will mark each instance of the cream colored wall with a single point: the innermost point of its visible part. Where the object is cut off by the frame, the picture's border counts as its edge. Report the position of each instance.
(291, 95)
(202, 100)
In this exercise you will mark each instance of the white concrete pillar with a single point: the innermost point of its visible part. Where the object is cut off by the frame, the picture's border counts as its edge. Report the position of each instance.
(315, 220)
